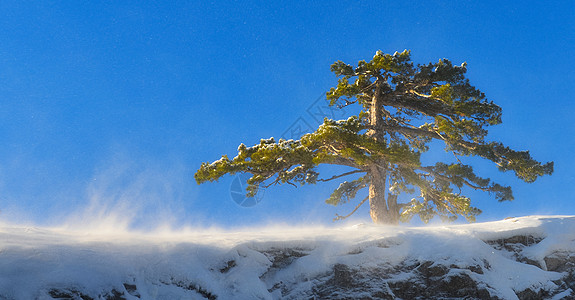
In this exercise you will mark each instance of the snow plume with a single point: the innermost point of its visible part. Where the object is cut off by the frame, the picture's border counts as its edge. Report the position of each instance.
(128, 195)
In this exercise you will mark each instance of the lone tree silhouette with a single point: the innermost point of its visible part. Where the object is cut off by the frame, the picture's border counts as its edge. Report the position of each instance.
(404, 108)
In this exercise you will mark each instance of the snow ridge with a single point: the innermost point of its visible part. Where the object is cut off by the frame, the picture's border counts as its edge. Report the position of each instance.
(520, 258)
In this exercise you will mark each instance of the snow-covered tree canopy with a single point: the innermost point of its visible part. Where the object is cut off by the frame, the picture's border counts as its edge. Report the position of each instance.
(404, 107)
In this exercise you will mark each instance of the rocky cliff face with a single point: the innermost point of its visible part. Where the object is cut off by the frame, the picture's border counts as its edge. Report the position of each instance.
(424, 279)
(524, 258)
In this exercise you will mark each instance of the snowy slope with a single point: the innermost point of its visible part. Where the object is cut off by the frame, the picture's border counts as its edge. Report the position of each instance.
(520, 258)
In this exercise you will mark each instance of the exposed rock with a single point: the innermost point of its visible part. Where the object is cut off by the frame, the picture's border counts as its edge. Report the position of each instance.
(515, 245)
(515, 242)
(433, 281)
(529, 294)
(68, 294)
(132, 289)
(560, 262)
(190, 286)
(73, 294)
(283, 257)
(229, 265)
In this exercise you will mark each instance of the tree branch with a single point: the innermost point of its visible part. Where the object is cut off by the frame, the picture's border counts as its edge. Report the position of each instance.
(418, 94)
(338, 217)
(426, 106)
(498, 156)
(347, 103)
(412, 131)
(431, 134)
(449, 179)
(342, 161)
(341, 175)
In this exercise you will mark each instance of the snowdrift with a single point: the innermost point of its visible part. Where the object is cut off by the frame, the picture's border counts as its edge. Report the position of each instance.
(520, 258)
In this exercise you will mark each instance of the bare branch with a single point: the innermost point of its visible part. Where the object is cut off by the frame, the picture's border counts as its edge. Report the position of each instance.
(347, 103)
(338, 217)
(368, 87)
(291, 183)
(272, 183)
(456, 157)
(418, 94)
(341, 175)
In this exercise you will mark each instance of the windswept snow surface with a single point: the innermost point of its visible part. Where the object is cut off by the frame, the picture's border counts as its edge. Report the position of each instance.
(36, 262)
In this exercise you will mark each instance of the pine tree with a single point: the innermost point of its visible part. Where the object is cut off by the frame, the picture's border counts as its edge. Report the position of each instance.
(404, 109)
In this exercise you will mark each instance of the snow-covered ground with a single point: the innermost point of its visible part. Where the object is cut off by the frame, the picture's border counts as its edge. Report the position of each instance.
(504, 258)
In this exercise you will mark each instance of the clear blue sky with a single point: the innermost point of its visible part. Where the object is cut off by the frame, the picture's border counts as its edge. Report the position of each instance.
(113, 106)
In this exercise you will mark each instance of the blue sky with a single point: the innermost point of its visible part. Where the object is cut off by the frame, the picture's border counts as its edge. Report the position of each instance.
(109, 108)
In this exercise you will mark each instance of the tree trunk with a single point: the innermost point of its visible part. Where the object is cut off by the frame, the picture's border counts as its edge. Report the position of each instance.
(381, 211)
